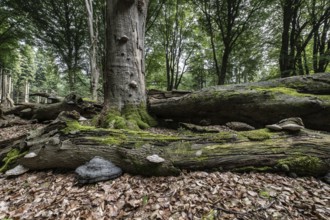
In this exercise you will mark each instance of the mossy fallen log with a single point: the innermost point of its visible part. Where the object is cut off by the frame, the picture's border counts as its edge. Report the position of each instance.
(68, 145)
(257, 104)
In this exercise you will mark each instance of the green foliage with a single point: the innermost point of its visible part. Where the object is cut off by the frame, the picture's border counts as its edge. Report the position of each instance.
(47, 43)
(257, 135)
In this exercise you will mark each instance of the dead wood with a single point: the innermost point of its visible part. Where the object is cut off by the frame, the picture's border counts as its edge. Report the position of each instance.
(256, 104)
(68, 145)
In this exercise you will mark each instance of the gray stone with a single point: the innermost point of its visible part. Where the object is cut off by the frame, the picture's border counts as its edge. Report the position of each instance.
(98, 169)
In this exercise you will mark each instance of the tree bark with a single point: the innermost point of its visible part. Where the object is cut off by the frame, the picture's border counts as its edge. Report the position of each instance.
(257, 104)
(284, 59)
(124, 71)
(68, 145)
(93, 35)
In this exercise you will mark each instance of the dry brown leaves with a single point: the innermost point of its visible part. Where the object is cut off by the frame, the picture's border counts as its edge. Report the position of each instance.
(196, 195)
(16, 131)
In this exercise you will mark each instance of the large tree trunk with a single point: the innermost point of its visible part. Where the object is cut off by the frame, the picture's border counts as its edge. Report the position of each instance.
(257, 104)
(124, 85)
(69, 145)
(124, 73)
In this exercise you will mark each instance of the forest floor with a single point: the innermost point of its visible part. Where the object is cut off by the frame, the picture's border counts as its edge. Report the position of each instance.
(193, 195)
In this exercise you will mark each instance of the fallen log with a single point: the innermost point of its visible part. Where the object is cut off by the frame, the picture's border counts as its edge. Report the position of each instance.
(43, 112)
(257, 104)
(52, 97)
(66, 144)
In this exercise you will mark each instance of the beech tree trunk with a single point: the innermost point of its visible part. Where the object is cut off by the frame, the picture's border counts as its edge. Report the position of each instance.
(257, 104)
(6, 101)
(125, 68)
(68, 145)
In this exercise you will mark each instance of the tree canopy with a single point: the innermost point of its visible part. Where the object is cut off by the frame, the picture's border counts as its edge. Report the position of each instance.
(190, 44)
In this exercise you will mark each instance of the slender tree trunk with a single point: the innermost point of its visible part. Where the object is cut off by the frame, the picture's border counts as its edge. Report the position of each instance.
(4, 88)
(284, 52)
(306, 63)
(224, 66)
(124, 72)
(93, 34)
(3, 84)
(26, 91)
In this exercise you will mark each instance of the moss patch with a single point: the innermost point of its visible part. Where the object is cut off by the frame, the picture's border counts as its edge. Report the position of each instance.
(304, 165)
(10, 159)
(257, 135)
(72, 126)
(131, 117)
(292, 92)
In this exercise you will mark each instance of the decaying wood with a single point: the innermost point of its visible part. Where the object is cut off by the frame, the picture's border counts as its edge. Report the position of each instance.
(57, 147)
(257, 104)
(51, 97)
(42, 112)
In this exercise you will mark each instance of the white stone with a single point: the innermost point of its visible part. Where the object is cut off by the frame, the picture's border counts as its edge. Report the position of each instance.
(18, 170)
(155, 159)
(82, 118)
(30, 155)
(199, 153)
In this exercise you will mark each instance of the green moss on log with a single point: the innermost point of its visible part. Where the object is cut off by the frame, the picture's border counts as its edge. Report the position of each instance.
(10, 159)
(292, 92)
(257, 135)
(303, 165)
(73, 126)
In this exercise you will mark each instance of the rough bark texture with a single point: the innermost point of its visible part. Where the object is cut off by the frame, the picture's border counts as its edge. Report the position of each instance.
(257, 104)
(124, 72)
(68, 145)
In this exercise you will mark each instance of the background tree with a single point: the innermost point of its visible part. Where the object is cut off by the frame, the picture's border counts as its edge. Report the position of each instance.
(61, 25)
(321, 38)
(301, 21)
(95, 20)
